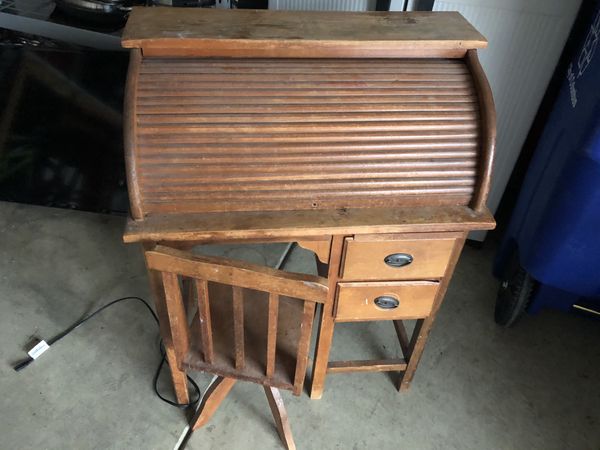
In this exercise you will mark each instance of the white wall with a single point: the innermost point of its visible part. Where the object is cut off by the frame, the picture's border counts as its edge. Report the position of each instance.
(323, 5)
(526, 38)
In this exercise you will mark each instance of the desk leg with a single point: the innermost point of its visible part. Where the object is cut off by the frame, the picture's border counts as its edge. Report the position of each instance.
(423, 326)
(326, 323)
(178, 376)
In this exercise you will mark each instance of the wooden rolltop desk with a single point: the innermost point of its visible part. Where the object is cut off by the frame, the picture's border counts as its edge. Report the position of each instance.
(365, 137)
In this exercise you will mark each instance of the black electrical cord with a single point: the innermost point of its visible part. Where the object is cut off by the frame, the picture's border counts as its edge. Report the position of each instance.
(21, 365)
(155, 383)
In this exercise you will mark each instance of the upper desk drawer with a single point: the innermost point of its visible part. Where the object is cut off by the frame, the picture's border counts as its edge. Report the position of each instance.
(385, 257)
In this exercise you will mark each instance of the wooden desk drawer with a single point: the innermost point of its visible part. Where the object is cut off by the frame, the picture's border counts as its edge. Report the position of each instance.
(405, 300)
(371, 257)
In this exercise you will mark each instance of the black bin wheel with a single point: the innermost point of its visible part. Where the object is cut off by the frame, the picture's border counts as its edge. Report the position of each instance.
(514, 296)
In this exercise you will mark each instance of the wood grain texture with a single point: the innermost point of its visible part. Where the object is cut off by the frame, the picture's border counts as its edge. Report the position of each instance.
(177, 316)
(247, 126)
(423, 326)
(256, 338)
(370, 365)
(178, 375)
(488, 127)
(211, 400)
(282, 134)
(280, 416)
(308, 315)
(290, 225)
(205, 319)
(244, 312)
(364, 258)
(238, 273)
(238, 327)
(355, 301)
(272, 334)
(326, 322)
(276, 34)
(130, 133)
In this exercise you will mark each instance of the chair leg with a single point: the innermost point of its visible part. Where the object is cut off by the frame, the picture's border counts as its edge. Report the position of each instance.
(212, 398)
(178, 376)
(280, 415)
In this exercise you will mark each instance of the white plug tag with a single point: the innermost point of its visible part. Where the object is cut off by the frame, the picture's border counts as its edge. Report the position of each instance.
(38, 350)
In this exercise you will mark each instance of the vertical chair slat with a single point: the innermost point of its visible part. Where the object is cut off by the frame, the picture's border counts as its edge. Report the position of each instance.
(177, 315)
(303, 345)
(205, 321)
(213, 344)
(187, 287)
(272, 333)
(238, 326)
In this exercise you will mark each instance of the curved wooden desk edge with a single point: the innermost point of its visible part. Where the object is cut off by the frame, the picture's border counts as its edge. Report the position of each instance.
(290, 225)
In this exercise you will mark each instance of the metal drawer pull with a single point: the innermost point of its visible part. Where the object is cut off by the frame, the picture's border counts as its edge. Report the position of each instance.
(398, 259)
(387, 302)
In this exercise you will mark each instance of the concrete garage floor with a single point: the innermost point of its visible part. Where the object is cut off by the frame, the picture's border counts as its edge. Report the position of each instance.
(478, 386)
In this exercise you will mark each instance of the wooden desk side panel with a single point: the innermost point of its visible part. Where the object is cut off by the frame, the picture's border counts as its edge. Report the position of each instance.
(130, 134)
(488, 131)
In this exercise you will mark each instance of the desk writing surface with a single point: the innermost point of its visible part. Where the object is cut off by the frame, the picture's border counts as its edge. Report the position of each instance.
(267, 225)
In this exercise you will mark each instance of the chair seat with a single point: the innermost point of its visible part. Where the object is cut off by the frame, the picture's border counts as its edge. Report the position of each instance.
(255, 334)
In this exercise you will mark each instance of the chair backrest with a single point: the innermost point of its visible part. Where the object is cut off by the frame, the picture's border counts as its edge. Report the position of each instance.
(242, 320)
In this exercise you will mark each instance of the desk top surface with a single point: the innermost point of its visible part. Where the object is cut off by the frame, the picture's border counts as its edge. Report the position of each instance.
(290, 33)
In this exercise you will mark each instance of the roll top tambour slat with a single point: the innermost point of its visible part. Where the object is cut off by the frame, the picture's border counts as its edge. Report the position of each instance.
(396, 92)
(284, 134)
(383, 109)
(422, 146)
(265, 138)
(406, 103)
(292, 119)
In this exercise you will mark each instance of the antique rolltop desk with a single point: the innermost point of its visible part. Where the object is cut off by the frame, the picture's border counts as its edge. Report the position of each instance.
(365, 137)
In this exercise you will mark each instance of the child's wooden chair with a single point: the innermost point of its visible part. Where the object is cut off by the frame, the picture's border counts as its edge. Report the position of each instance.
(248, 322)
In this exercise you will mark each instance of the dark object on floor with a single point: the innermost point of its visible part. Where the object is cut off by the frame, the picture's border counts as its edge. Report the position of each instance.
(111, 12)
(514, 295)
(61, 132)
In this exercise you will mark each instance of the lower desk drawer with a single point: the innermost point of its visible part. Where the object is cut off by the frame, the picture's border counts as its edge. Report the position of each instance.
(385, 300)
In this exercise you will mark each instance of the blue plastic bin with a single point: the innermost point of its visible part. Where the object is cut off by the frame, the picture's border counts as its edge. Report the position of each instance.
(550, 254)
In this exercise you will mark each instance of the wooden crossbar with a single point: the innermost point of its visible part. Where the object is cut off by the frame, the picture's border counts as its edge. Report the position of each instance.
(238, 273)
(371, 365)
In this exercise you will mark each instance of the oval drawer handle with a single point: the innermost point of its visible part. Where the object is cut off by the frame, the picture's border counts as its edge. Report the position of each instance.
(398, 259)
(387, 302)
